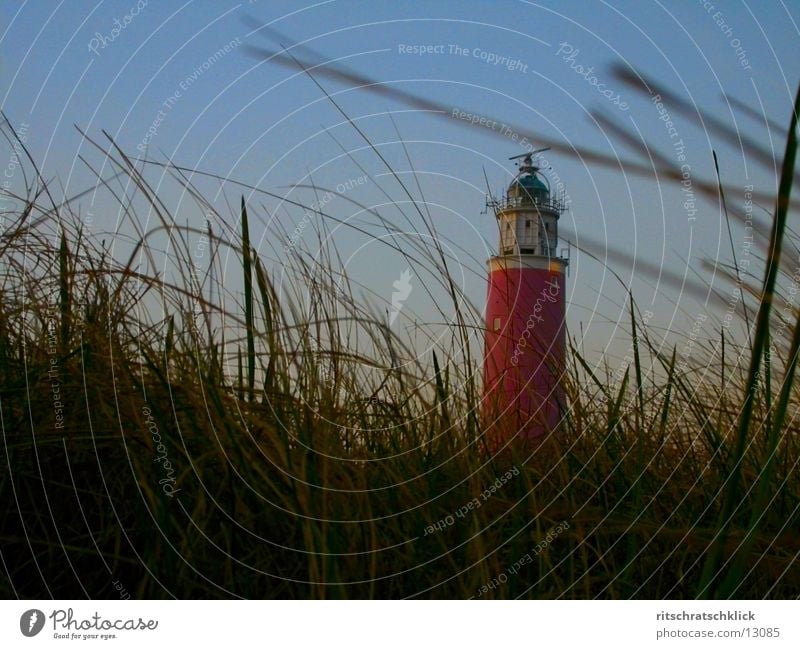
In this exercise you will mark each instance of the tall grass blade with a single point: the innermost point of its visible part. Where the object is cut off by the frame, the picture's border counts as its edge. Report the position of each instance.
(247, 264)
(731, 495)
(64, 292)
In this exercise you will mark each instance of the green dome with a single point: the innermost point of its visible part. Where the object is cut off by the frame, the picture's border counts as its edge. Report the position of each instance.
(531, 183)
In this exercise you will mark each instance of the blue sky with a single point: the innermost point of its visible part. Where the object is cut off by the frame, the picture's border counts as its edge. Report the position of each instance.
(64, 64)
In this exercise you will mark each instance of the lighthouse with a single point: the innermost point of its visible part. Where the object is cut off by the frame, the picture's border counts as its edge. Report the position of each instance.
(525, 333)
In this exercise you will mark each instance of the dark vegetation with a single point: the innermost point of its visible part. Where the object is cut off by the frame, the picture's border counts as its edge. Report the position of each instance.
(292, 465)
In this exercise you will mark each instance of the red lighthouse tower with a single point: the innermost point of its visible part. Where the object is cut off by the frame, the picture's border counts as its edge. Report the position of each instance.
(525, 329)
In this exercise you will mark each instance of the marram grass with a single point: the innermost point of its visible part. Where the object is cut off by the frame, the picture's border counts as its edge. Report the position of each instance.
(216, 444)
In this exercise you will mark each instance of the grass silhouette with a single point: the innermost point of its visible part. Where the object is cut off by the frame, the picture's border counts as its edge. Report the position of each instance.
(218, 444)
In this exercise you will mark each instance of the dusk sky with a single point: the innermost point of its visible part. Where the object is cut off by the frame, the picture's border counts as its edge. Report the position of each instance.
(282, 316)
(151, 75)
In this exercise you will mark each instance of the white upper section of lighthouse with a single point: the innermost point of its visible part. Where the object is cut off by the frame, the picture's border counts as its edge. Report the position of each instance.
(528, 216)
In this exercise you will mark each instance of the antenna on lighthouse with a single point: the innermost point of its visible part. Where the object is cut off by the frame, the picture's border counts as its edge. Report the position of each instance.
(527, 161)
(529, 154)
(490, 200)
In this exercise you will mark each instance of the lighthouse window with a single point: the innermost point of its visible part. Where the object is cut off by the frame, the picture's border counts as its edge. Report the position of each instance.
(497, 324)
(527, 224)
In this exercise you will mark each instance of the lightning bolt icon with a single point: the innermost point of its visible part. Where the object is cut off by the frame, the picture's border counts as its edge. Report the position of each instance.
(32, 621)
